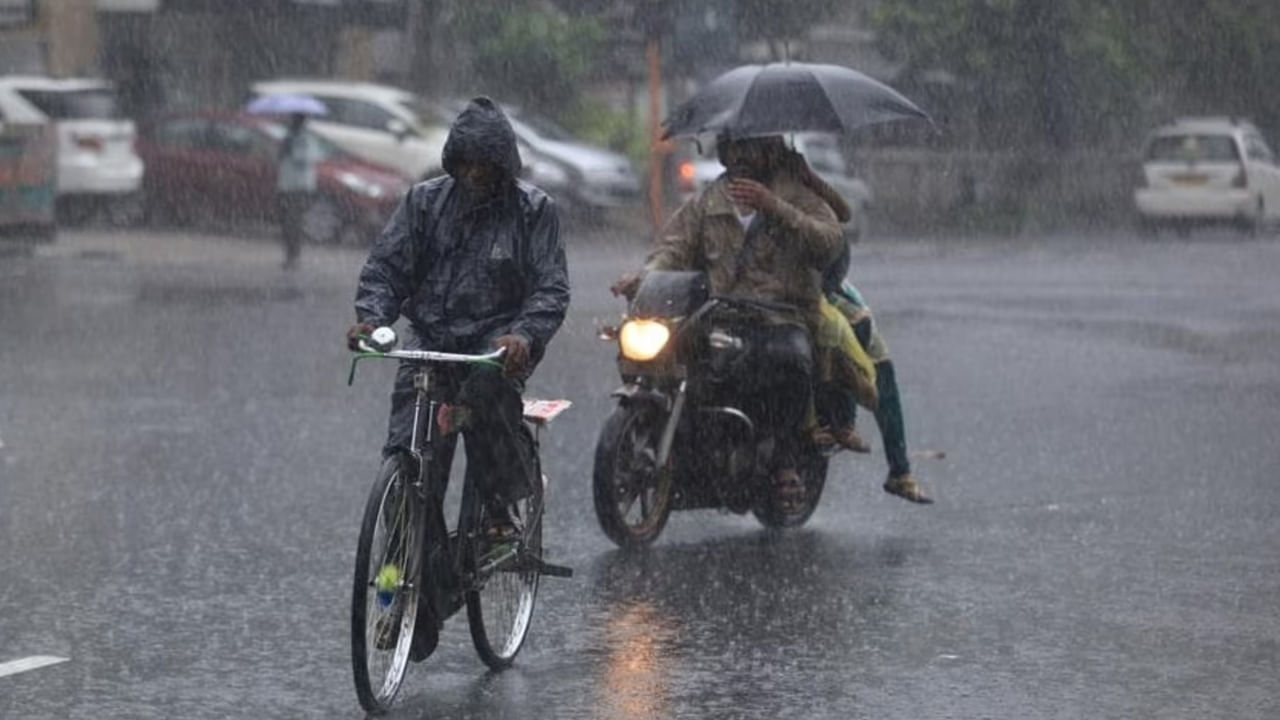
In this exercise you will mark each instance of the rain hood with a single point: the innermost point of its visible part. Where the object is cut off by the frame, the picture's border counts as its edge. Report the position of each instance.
(482, 133)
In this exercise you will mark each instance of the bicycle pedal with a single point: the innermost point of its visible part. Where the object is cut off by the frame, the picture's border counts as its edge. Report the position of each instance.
(560, 571)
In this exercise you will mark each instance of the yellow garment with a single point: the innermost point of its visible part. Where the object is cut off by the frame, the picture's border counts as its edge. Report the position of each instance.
(847, 362)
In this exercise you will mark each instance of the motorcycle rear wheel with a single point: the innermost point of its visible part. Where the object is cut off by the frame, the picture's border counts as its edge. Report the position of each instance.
(625, 477)
(772, 513)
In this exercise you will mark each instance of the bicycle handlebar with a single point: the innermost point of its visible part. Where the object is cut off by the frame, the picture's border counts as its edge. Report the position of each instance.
(430, 356)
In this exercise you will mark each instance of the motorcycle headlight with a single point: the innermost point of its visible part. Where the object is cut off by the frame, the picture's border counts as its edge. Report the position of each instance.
(642, 339)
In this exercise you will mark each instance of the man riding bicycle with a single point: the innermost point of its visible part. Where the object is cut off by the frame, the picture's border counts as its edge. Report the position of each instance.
(474, 261)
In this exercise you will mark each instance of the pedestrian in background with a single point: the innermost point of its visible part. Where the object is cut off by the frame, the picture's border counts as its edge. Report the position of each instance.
(295, 184)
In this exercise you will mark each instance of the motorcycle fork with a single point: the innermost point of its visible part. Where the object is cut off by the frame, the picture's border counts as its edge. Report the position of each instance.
(673, 421)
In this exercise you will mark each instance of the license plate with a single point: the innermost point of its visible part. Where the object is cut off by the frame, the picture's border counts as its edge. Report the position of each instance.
(1191, 180)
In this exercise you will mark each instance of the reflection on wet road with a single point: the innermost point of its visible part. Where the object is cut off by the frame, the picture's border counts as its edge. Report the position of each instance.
(182, 469)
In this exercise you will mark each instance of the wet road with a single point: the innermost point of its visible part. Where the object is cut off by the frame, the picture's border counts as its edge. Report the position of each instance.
(182, 468)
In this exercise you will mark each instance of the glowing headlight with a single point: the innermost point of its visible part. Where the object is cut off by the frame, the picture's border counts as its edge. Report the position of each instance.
(643, 339)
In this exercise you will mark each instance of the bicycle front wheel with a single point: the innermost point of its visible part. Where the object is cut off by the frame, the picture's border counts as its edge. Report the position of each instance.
(386, 589)
(500, 605)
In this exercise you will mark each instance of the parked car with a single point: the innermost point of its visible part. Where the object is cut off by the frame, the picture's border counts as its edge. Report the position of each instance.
(1207, 170)
(596, 177)
(382, 124)
(28, 182)
(695, 171)
(223, 167)
(96, 159)
(574, 172)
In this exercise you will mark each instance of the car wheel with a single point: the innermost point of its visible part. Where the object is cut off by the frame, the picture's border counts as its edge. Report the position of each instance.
(1257, 223)
(126, 210)
(1147, 227)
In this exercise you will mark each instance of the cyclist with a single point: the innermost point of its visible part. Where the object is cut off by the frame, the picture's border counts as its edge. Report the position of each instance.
(474, 261)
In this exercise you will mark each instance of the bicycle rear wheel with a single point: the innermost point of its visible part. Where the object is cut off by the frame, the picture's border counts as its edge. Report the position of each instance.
(500, 605)
(386, 590)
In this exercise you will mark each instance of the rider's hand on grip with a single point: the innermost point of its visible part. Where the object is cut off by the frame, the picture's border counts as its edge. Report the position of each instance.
(626, 285)
(356, 333)
(517, 353)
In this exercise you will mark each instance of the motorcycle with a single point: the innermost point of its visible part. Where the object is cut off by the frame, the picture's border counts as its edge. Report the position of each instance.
(683, 435)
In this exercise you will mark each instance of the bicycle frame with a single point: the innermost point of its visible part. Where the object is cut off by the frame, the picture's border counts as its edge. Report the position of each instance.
(445, 594)
(450, 579)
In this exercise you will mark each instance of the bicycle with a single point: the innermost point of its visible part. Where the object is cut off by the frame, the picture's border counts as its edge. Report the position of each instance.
(412, 572)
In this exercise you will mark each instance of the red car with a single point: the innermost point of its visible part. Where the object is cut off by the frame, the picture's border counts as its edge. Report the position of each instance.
(221, 168)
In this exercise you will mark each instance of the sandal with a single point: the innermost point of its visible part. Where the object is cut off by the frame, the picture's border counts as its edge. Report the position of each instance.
(504, 524)
(848, 438)
(906, 487)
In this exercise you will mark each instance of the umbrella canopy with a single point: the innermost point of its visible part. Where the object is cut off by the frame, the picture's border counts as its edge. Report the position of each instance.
(286, 104)
(754, 100)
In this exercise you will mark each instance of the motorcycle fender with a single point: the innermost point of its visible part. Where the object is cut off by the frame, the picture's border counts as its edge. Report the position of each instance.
(633, 393)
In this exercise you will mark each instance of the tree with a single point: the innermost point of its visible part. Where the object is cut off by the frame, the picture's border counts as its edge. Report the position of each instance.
(529, 54)
(1062, 72)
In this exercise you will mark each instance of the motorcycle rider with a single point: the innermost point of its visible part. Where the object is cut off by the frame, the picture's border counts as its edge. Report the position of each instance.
(474, 261)
(760, 233)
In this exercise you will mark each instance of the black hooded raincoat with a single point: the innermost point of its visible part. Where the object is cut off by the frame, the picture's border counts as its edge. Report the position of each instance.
(464, 270)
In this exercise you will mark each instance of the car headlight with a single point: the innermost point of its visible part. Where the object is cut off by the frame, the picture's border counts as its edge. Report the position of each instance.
(359, 185)
(642, 339)
(544, 172)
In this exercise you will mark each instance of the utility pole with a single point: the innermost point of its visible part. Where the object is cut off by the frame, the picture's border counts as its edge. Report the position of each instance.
(657, 154)
(655, 17)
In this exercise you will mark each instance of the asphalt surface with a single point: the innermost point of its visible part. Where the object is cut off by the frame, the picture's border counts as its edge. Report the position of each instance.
(182, 468)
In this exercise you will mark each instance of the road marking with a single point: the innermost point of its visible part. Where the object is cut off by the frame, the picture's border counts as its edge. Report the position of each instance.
(13, 667)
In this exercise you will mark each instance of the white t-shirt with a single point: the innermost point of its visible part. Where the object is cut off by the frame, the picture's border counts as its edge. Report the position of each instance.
(746, 219)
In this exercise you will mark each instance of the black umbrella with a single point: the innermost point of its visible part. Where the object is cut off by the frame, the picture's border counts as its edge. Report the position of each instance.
(755, 100)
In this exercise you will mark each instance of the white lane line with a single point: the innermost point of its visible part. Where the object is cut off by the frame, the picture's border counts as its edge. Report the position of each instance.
(13, 667)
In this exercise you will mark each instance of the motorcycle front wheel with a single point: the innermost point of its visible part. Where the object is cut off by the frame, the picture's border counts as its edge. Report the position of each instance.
(632, 494)
(772, 512)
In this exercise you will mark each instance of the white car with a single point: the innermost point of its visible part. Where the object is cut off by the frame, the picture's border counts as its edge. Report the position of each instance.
(823, 154)
(1202, 170)
(95, 144)
(381, 124)
(597, 177)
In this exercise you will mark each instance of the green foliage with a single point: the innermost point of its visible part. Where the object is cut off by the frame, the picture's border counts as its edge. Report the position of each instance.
(535, 57)
(1060, 72)
(770, 19)
(599, 124)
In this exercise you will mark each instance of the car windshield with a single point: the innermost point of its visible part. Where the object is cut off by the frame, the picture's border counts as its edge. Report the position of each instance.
(321, 148)
(74, 104)
(1193, 148)
(545, 128)
(424, 113)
